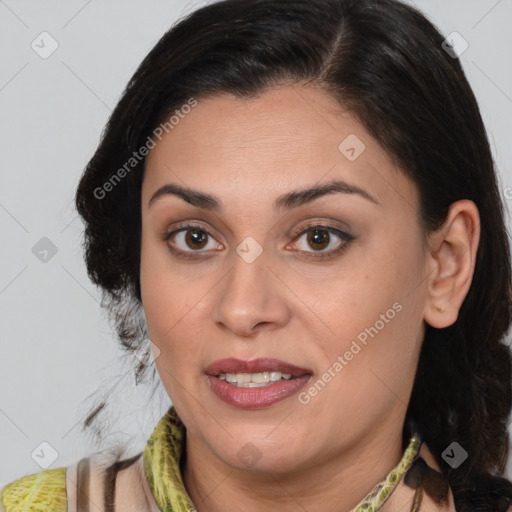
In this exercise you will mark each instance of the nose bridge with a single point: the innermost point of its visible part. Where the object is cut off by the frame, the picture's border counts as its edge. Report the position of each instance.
(250, 295)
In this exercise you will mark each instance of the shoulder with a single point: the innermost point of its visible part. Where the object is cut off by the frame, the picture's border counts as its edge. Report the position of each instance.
(44, 491)
(61, 489)
(91, 482)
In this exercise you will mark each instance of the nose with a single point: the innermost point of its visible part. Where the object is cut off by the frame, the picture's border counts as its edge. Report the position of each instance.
(250, 299)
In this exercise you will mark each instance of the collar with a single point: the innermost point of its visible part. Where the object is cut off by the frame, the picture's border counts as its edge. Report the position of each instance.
(162, 456)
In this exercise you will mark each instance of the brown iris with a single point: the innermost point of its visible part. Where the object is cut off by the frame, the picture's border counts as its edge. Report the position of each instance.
(195, 236)
(318, 238)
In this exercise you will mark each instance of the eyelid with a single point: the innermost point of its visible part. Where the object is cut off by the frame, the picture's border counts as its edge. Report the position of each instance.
(184, 226)
(191, 225)
(346, 240)
(326, 224)
(188, 254)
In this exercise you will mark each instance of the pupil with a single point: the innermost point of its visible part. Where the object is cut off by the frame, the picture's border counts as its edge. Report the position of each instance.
(197, 238)
(318, 237)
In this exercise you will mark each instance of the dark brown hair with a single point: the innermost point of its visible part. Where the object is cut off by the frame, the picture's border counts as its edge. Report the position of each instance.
(385, 62)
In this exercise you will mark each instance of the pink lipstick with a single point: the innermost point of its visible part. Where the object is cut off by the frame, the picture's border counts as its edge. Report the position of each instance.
(255, 384)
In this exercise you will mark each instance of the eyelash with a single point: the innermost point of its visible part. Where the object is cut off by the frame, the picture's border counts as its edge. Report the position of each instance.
(345, 237)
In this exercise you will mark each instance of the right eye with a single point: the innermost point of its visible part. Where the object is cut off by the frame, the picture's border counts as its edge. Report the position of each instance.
(190, 239)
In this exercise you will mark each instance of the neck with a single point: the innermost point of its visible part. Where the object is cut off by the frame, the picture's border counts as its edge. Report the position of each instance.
(336, 482)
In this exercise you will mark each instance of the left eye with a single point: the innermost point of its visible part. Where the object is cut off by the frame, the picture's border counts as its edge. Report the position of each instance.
(321, 239)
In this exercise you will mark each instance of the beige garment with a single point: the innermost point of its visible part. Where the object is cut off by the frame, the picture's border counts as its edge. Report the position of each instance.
(132, 492)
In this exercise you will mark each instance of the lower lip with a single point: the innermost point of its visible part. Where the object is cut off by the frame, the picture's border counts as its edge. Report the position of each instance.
(256, 398)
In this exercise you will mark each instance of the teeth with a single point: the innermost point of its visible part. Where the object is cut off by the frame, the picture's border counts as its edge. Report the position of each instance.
(259, 378)
(253, 380)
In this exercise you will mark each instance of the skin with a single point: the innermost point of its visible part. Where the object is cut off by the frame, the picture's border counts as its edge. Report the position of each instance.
(329, 453)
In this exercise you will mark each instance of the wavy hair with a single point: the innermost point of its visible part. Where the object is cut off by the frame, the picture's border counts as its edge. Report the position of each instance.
(384, 61)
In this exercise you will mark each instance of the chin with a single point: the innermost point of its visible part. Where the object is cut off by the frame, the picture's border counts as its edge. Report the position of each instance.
(256, 453)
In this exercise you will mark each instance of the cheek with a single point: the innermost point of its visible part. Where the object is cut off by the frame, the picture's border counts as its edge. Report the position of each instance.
(172, 313)
(373, 308)
(171, 305)
(172, 316)
(376, 275)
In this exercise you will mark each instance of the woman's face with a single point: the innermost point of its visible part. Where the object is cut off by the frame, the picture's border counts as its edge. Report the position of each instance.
(331, 282)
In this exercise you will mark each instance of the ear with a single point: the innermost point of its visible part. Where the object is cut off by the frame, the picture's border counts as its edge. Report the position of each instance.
(451, 258)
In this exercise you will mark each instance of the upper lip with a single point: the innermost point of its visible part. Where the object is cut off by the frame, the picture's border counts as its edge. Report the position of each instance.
(262, 364)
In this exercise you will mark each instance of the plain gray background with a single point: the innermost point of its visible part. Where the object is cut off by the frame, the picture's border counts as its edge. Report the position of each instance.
(57, 346)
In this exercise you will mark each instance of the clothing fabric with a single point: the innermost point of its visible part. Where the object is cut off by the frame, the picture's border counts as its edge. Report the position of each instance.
(151, 481)
(163, 452)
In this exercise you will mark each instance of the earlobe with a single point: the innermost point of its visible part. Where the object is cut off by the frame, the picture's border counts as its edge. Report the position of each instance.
(451, 263)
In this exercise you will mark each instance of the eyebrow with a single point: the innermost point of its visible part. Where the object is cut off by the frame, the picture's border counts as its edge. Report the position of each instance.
(284, 202)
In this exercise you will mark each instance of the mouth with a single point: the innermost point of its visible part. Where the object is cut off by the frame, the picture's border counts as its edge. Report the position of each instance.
(271, 380)
(254, 380)
(261, 372)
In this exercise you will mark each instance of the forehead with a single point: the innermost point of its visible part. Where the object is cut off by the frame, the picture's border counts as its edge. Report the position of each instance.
(258, 147)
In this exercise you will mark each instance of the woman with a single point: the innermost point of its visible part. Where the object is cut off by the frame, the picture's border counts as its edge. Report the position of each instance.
(296, 202)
